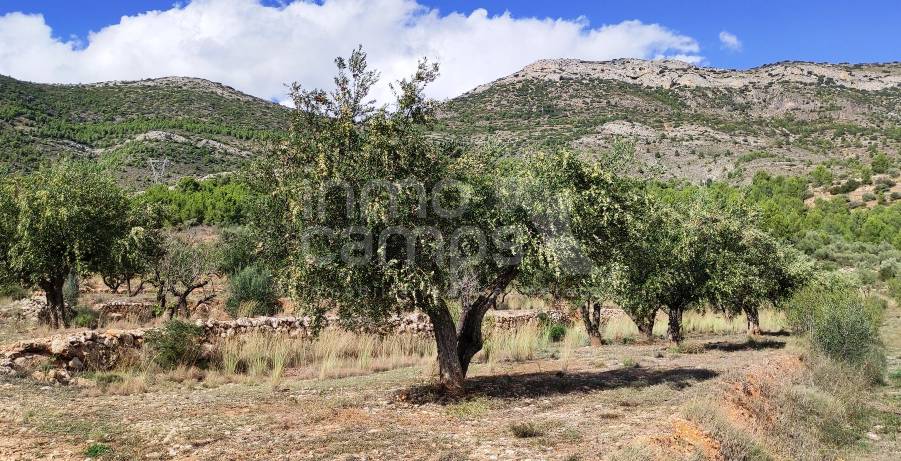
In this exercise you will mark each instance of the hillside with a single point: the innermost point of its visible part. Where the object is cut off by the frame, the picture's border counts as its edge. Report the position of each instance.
(696, 123)
(201, 127)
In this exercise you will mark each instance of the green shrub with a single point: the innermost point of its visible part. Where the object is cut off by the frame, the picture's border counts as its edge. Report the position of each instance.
(555, 332)
(252, 286)
(71, 290)
(526, 430)
(13, 291)
(96, 450)
(175, 343)
(894, 289)
(85, 317)
(841, 323)
(236, 250)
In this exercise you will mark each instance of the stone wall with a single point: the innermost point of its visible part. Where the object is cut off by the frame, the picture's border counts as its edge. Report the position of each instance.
(99, 350)
(72, 352)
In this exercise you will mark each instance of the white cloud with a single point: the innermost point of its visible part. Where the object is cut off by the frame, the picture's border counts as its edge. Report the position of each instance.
(729, 41)
(258, 49)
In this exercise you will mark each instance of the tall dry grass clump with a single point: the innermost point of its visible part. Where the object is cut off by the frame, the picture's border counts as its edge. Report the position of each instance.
(513, 345)
(333, 353)
(574, 338)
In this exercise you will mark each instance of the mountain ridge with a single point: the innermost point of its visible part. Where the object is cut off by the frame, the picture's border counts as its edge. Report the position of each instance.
(696, 123)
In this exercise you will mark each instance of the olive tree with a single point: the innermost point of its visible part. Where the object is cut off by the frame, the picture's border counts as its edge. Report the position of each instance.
(664, 266)
(133, 256)
(366, 215)
(59, 220)
(751, 268)
(185, 266)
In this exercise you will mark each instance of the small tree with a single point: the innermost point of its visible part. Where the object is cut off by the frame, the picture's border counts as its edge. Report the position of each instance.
(185, 267)
(59, 220)
(133, 256)
(821, 176)
(663, 266)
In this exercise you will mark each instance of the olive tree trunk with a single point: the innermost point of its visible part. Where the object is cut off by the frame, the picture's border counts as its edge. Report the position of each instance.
(646, 326)
(450, 371)
(674, 326)
(594, 325)
(753, 319)
(56, 312)
(457, 347)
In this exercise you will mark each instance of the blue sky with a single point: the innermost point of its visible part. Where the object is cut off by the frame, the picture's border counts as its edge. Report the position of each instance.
(258, 49)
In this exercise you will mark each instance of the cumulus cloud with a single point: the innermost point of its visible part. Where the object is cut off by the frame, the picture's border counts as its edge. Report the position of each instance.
(729, 41)
(258, 48)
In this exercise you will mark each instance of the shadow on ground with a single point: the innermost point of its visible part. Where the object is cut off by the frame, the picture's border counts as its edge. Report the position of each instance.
(548, 383)
(749, 345)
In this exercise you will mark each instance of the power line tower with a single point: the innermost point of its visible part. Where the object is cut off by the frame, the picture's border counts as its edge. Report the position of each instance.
(158, 168)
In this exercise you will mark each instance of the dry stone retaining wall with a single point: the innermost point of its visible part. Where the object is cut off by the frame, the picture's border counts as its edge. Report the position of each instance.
(98, 350)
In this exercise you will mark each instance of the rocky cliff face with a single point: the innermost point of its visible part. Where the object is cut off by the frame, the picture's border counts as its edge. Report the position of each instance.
(671, 74)
(692, 122)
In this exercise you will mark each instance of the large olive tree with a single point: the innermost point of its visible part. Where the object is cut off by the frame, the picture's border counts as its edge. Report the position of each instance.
(363, 213)
(59, 220)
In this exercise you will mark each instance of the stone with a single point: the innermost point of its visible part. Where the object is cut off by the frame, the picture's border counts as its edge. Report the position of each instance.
(59, 345)
(75, 364)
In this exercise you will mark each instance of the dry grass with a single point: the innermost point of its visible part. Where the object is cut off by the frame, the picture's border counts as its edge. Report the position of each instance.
(333, 354)
(514, 345)
(622, 329)
(575, 338)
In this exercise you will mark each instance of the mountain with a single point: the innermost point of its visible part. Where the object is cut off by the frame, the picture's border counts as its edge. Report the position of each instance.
(696, 123)
(201, 127)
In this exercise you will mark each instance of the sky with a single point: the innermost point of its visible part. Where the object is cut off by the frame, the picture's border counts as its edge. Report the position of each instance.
(257, 46)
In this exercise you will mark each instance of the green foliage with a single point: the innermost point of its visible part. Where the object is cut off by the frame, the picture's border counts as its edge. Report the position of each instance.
(254, 285)
(44, 122)
(881, 163)
(96, 450)
(184, 267)
(555, 331)
(176, 342)
(13, 291)
(136, 254)
(894, 289)
(85, 317)
(237, 247)
(841, 323)
(59, 220)
(71, 290)
(821, 175)
(220, 200)
(507, 211)
(664, 264)
(846, 187)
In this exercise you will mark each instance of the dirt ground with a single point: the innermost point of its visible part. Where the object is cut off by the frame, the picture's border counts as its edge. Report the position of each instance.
(608, 398)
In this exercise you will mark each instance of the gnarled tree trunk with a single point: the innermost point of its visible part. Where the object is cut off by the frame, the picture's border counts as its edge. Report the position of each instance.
(674, 327)
(137, 290)
(456, 348)
(594, 325)
(450, 371)
(753, 319)
(469, 333)
(57, 313)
